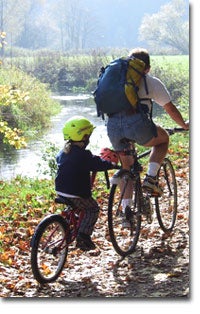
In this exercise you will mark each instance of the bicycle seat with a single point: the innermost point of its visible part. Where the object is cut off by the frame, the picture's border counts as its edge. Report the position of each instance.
(130, 146)
(126, 140)
(63, 200)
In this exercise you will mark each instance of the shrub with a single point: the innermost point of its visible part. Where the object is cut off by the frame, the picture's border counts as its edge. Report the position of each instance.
(73, 72)
(33, 112)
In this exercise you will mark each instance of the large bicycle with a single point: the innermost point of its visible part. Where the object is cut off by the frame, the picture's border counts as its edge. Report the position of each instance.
(124, 237)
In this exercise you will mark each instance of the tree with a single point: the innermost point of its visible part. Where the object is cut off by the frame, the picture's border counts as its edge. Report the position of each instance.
(12, 19)
(2, 44)
(39, 29)
(77, 24)
(57, 24)
(167, 29)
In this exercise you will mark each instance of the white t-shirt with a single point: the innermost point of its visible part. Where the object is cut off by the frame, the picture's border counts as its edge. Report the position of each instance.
(157, 91)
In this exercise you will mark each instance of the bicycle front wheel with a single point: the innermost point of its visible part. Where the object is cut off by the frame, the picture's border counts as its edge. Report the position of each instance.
(166, 204)
(124, 224)
(49, 249)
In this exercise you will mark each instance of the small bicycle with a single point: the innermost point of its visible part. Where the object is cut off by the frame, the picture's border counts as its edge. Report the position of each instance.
(125, 237)
(52, 237)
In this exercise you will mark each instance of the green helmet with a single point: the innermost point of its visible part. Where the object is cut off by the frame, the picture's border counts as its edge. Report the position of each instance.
(76, 128)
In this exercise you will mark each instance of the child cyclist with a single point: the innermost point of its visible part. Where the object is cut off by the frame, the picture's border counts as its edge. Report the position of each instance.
(73, 179)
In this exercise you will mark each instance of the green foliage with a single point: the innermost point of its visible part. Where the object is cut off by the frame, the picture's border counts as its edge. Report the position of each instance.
(25, 196)
(167, 29)
(79, 73)
(48, 166)
(63, 73)
(30, 106)
(174, 72)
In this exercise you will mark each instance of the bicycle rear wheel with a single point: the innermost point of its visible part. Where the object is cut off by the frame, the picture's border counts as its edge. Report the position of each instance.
(124, 236)
(166, 204)
(49, 249)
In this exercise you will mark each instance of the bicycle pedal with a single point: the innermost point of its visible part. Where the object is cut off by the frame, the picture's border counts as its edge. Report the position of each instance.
(149, 218)
(154, 194)
(151, 193)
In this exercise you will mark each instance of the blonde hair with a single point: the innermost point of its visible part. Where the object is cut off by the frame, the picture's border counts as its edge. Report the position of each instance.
(67, 147)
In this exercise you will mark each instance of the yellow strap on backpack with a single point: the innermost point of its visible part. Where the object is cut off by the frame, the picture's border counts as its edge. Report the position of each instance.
(134, 74)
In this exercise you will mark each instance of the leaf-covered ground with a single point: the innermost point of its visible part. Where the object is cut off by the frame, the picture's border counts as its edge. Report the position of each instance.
(158, 268)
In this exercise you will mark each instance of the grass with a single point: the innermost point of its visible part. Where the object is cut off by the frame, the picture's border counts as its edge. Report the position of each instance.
(81, 71)
(23, 197)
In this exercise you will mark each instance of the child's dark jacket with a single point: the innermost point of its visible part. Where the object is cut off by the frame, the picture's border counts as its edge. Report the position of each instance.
(73, 175)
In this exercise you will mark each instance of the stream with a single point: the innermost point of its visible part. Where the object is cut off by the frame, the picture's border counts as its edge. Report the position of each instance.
(25, 162)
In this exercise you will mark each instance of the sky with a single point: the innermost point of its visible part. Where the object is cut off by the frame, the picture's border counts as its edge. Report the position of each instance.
(125, 13)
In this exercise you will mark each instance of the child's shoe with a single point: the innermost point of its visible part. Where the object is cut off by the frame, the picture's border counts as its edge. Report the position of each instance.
(84, 242)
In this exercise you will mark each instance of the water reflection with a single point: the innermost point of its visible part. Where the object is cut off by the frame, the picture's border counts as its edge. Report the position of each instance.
(25, 161)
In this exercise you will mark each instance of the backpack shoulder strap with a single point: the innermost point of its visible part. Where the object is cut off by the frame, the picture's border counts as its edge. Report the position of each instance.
(145, 85)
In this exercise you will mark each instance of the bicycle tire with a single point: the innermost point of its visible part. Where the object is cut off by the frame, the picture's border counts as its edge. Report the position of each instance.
(124, 239)
(49, 249)
(166, 204)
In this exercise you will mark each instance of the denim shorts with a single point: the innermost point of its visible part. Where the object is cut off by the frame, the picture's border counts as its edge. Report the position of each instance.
(137, 127)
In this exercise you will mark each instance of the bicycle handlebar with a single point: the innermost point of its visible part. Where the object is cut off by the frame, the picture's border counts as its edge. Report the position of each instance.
(175, 130)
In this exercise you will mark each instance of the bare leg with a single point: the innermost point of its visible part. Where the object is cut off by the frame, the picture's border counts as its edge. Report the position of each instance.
(159, 146)
(127, 162)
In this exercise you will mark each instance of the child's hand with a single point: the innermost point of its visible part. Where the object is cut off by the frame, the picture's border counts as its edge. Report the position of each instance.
(109, 155)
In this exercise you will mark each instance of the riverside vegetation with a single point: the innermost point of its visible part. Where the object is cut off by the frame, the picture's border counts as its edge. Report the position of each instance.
(36, 77)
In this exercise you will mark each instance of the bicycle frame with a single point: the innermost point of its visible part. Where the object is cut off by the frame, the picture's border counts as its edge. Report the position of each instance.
(73, 219)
